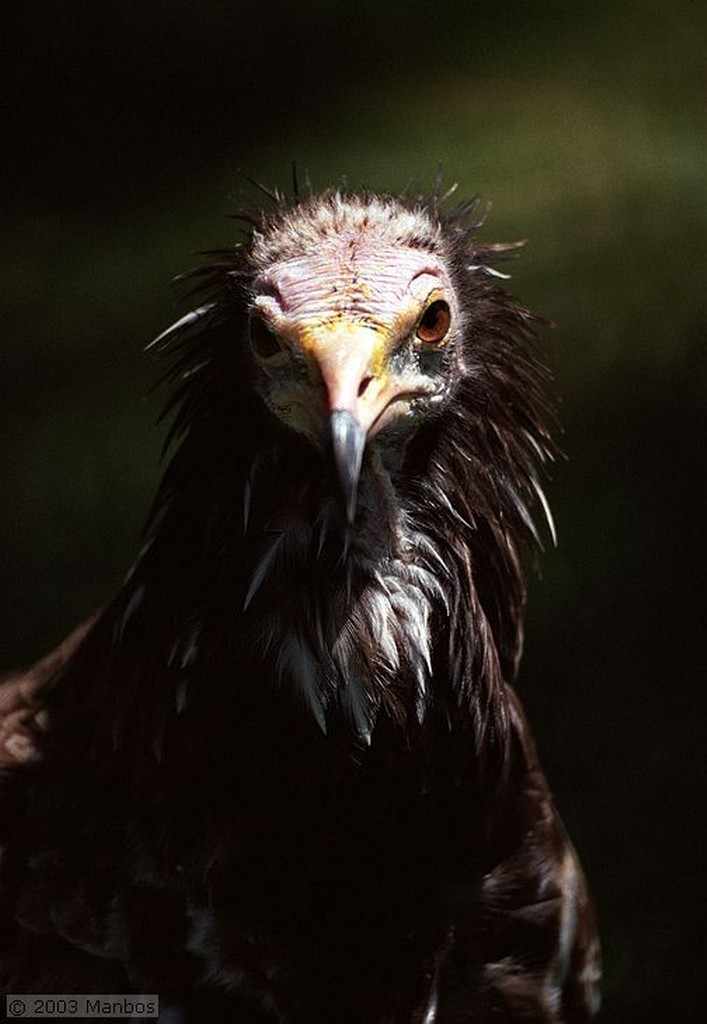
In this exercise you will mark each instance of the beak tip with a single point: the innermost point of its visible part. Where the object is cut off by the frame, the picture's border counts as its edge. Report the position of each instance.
(348, 440)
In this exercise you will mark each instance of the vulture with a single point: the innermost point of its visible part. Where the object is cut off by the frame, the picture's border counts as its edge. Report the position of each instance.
(283, 775)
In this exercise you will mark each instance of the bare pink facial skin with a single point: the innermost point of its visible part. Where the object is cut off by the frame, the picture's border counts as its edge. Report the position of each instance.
(370, 284)
(345, 314)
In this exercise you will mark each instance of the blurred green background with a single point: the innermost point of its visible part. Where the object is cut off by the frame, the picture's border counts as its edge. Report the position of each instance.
(586, 126)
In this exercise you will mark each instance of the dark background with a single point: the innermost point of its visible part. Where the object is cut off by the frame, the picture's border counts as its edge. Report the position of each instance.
(585, 124)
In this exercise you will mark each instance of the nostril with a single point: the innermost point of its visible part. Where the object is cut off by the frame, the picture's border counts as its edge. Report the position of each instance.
(364, 385)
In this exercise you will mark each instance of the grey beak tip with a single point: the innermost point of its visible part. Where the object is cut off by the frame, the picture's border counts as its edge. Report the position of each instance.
(348, 440)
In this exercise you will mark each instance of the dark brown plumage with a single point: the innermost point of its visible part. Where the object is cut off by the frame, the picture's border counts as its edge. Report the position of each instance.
(283, 776)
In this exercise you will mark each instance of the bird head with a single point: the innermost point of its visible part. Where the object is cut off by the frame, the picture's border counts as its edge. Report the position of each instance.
(353, 326)
(374, 331)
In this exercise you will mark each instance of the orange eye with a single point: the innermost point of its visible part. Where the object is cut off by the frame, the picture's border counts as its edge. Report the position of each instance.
(264, 343)
(434, 323)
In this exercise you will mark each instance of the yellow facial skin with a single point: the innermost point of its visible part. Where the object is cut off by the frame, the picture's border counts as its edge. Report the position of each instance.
(341, 365)
(353, 343)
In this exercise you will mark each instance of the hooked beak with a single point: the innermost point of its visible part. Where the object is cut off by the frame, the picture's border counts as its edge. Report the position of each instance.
(348, 439)
(348, 357)
(352, 364)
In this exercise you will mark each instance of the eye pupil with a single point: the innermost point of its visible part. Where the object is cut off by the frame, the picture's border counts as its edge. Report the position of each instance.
(434, 323)
(262, 340)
